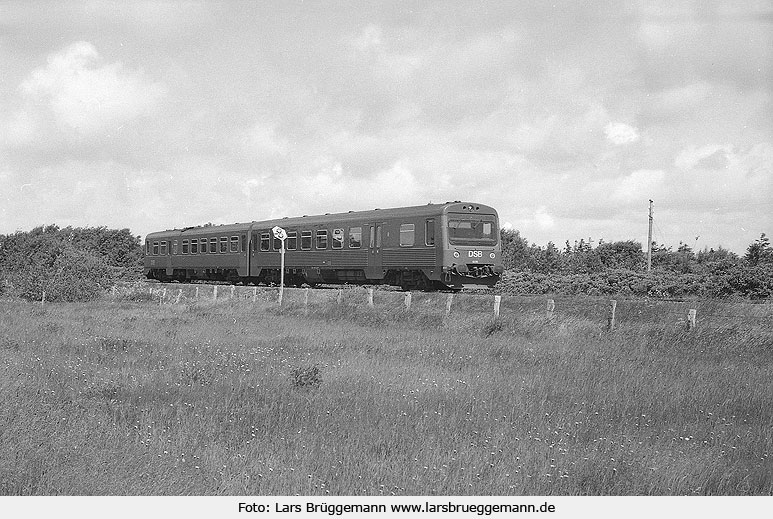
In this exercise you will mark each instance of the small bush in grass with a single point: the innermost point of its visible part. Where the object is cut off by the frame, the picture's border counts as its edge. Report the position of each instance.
(491, 327)
(307, 377)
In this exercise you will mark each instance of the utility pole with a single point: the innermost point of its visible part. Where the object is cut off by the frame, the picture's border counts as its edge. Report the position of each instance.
(649, 243)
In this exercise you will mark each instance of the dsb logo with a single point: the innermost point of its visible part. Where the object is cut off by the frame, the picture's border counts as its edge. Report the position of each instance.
(475, 254)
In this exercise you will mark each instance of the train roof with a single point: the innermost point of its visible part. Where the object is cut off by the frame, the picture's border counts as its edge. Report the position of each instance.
(370, 215)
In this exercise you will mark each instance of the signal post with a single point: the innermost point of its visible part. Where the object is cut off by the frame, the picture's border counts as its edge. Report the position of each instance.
(281, 235)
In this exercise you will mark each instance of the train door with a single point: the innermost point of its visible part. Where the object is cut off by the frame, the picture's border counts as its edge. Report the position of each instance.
(244, 254)
(254, 266)
(375, 262)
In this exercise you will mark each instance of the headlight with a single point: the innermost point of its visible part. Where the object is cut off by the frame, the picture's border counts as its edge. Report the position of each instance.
(492, 255)
(456, 254)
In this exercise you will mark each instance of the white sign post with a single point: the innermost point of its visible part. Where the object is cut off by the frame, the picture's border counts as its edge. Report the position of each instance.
(281, 235)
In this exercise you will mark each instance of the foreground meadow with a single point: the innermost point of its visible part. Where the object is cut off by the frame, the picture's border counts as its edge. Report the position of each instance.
(127, 396)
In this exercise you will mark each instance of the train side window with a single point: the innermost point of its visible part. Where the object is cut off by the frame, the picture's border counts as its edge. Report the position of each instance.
(291, 243)
(355, 237)
(407, 235)
(234, 244)
(213, 245)
(322, 239)
(163, 248)
(254, 242)
(378, 236)
(429, 232)
(223, 244)
(155, 248)
(185, 246)
(243, 242)
(174, 247)
(305, 240)
(203, 246)
(265, 241)
(194, 246)
(372, 236)
(338, 238)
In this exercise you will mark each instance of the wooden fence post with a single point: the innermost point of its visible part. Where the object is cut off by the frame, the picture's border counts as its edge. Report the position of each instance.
(306, 300)
(550, 308)
(497, 301)
(370, 297)
(164, 292)
(340, 297)
(43, 299)
(691, 315)
(214, 293)
(254, 294)
(179, 295)
(197, 293)
(611, 318)
(449, 302)
(279, 296)
(113, 291)
(407, 301)
(233, 288)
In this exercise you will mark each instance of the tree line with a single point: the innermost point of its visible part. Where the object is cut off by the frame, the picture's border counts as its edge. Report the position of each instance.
(620, 268)
(78, 263)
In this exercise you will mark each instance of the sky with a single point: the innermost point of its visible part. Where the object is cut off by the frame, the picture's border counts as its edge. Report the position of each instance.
(567, 117)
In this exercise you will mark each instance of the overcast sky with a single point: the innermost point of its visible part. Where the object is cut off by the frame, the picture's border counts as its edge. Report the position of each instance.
(565, 117)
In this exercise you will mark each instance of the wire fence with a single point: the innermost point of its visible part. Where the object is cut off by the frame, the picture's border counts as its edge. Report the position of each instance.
(613, 311)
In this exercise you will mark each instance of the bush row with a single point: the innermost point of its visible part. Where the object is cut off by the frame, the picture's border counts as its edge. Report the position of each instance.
(746, 281)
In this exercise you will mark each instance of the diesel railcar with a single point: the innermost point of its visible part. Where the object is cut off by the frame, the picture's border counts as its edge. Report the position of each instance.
(434, 246)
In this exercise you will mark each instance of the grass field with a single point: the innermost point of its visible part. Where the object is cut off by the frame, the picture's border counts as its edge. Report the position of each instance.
(237, 397)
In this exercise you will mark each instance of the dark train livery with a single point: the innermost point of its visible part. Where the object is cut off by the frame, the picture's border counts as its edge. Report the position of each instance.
(434, 246)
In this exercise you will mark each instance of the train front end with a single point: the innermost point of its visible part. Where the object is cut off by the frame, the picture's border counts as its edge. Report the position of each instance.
(472, 253)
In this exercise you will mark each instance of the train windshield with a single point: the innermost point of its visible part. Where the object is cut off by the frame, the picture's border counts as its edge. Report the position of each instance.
(466, 229)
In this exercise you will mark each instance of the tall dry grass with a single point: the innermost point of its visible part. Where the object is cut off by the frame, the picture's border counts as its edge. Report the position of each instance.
(132, 397)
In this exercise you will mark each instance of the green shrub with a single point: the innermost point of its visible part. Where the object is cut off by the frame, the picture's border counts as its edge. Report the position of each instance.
(67, 274)
(307, 377)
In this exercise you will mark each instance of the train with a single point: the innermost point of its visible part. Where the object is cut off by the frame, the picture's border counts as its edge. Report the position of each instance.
(447, 246)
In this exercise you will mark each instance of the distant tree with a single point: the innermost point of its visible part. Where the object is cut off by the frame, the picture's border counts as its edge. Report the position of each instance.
(545, 260)
(759, 251)
(715, 260)
(665, 258)
(620, 255)
(711, 255)
(515, 250)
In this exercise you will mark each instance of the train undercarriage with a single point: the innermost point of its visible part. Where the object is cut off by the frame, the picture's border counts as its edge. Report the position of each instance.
(452, 278)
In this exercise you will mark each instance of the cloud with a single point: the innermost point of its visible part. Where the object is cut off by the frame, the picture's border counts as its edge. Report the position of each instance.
(262, 140)
(621, 133)
(543, 219)
(369, 39)
(565, 118)
(332, 188)
(639, 185)
(82, 93)
(704, 156)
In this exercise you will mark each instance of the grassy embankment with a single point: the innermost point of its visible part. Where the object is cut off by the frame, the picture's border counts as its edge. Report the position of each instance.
(129, 397)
